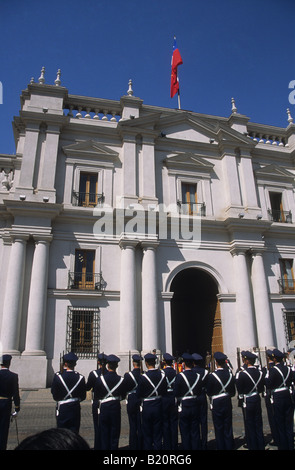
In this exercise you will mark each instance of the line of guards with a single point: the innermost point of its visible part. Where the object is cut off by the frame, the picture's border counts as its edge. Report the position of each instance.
(161, 401)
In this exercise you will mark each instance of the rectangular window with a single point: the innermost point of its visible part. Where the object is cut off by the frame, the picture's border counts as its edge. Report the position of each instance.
(87, 195)
(189, 198)
(287, 276)
(277, 212)
(84, 275)
(83, 332)
(289, 320)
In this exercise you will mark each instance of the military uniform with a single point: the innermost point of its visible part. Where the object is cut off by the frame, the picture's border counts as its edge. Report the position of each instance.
(68, 390)
(267, 400)
(109, 391)
(221, 388)
(278, 381)
(202, 403)
(250, 385)
(131, 380)
(9, 392)
(151, 388)
(170, 414)
(188, 386)
(93, 376)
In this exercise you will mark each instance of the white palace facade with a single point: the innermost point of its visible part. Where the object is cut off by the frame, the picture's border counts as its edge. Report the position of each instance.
(127, 227)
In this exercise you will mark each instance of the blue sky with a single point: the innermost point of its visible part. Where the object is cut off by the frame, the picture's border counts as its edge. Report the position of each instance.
(230, 48)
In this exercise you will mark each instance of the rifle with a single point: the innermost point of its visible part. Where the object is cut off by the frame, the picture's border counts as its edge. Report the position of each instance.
(238, 358)
(61, 362)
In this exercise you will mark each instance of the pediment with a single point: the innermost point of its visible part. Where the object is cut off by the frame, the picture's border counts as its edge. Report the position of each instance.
(188, 128)
(273, 172)
(90, 149)
(188, 161)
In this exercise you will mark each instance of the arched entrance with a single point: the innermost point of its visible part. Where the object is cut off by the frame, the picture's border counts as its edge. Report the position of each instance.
(195, 313)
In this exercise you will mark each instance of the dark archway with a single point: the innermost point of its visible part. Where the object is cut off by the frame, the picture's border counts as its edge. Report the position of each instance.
(193, 309)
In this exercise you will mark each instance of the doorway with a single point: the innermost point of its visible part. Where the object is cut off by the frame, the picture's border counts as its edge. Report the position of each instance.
(195, 313)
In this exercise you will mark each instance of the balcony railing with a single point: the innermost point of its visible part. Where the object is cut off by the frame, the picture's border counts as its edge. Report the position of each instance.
(280, 216)
(192, 209)
(287, 286)
(86, 199)
(85, 281)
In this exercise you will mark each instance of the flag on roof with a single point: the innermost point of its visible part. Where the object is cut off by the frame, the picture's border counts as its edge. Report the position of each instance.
(175, 62)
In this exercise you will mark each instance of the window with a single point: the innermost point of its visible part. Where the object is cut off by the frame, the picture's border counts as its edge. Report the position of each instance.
(287, 276)
(189, 200)
(289, 320)
(87, 196)
(276, 212)
(83, 276)
(83, 332)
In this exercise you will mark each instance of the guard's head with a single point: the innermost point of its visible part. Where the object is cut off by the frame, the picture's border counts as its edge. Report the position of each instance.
(70, 359)
(249, 357)
(112, 361)
(220, 358)
(150, 359)
(6, 360)
(188, 360)
(168, 359)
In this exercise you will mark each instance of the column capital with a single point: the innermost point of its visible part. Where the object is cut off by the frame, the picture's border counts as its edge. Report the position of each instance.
(149, 244)
(39, 238)
(127, 243)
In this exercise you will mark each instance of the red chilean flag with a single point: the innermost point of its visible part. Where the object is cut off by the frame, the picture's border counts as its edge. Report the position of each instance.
(176, 61)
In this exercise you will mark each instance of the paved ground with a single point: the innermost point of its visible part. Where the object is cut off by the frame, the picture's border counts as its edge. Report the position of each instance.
(38, 413)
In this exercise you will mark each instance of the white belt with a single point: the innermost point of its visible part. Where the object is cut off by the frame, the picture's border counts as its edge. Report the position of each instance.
(280, 389)
(105, 400)
(189, 397)
(219, 396)
(69, 400)
(152, 398)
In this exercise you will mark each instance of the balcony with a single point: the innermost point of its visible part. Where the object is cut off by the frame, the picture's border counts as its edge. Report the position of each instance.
(280, 216)
(287, 286)
(85, 281)
(198, 209)
(87, 199)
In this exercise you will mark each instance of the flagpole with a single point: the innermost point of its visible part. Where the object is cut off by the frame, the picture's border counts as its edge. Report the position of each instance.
(178, 100)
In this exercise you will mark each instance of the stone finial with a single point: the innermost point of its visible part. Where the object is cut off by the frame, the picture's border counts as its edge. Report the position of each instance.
(290, 119)
(42, 76)
(130, 91)
(32, 81)
(233, 106)
(57, 80)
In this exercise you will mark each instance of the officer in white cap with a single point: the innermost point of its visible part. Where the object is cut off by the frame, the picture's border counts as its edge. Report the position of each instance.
(68, 390)
(9, 392)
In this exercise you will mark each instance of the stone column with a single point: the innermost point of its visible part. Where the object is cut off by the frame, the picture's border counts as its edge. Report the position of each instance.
(261, 302)
(37, 299)
(244, 311)
(12, 309)
(150, 321)
(128, 316)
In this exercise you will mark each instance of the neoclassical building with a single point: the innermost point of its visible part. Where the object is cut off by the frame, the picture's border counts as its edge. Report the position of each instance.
(128, 227)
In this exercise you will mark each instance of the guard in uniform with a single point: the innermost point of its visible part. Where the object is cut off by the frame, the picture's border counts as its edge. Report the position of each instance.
(170, 414)
(250, 384)
(131, 380)
(202, 403)
(68, 390)
(188, 386)
(109, 391)
(9, 392)
(151, 388)
(267, 400)
(94, 374)
(278, 381)
(220, 389)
